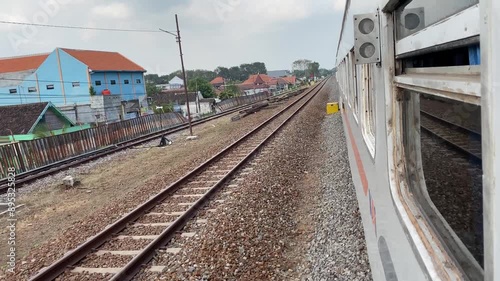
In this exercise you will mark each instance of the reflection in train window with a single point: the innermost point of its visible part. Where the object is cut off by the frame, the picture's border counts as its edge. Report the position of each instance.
(444, 172)
(419, 14)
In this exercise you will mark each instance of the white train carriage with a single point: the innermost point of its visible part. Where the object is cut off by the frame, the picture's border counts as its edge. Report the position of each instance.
(394, 57)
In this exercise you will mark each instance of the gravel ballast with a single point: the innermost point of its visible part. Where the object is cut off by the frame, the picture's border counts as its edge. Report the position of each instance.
(112, 193)
(290, 214)
(338, 250)
(282, 221)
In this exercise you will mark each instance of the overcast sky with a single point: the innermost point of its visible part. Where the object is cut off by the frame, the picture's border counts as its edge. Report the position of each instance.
(215, 32)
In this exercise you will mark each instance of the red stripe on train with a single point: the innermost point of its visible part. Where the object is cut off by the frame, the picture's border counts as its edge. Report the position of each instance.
(359, 163)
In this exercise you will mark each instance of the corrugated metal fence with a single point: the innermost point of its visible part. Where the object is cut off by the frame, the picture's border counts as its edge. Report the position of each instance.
(230, 103)
(29, 155)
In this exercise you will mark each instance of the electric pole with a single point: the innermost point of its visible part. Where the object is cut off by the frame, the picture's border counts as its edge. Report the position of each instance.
(178, 37)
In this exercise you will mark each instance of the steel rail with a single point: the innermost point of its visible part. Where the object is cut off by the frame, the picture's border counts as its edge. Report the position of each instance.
(55, 167)
(72, 257)
(462, 130)
(451, 125)
(137, 263)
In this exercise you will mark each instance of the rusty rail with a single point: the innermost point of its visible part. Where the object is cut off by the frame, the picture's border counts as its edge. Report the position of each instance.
(455, 136)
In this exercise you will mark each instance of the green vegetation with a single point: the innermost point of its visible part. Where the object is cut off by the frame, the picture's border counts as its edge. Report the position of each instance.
(235, 73)
(166, 108)
(92, 91)
(231, 91)
(304, 68)
(201, 85)
(151, 89)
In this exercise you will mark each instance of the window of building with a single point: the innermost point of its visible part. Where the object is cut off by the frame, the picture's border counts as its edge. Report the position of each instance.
(50, 87)
(126, 82)
(32, 90)
(138, 81)
(75, 84)
(13, 91)
(98, 83)
(113, 82)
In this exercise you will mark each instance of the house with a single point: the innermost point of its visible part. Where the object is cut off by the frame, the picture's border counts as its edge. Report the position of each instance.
(197, 104)
(278, 73)
(64, 78)
(176, 83)
(264, 83)
(218, 82)
(280, 84)
(34, 120)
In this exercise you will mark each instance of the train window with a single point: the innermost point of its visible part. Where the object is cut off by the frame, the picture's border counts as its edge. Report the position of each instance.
(354, 86)
(442, 141)
(419, 14)
(365, 87)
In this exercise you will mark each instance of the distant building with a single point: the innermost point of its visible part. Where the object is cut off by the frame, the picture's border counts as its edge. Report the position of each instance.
(34, 120)
(218, 82)
(197, 104)
(64, 77)
(176, 83)
(264, 83)
(278, 73)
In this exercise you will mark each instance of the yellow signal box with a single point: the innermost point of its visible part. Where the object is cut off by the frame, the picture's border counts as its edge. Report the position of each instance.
(332, 108)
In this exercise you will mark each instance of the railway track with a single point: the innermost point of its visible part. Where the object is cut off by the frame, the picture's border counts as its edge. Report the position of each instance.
(459, 138)
(33, 175)
(136, 238)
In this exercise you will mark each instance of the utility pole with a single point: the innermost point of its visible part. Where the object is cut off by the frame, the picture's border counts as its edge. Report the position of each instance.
(184, 75)
(178, 37)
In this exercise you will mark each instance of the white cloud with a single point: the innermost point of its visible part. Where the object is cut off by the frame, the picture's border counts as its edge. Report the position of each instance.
(215, 32)
(112, 10)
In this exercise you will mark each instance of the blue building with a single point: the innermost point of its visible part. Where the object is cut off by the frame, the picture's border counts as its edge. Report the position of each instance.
(65, 76)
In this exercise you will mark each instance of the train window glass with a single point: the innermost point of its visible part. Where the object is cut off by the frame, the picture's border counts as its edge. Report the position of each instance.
(419, 14)
(442, 140)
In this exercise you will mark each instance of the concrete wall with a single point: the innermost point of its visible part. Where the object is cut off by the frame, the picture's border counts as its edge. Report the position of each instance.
(80, 114)
(205, 108)
(107, 108)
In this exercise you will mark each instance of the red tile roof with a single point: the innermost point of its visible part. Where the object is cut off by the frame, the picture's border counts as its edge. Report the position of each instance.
(217, 80)
(104, 61)
(21, 63)
(290, 79)
(257, 79)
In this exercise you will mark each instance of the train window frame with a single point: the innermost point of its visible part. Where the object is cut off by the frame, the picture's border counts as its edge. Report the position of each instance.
(425, 240)
(354, 87)
(424, 207)
(462, 25)
(460, 83)
(368, 107)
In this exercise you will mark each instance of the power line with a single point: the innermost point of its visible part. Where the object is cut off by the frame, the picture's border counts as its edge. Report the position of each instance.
(80, 27)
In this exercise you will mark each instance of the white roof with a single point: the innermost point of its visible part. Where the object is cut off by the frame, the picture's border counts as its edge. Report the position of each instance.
(176, 81)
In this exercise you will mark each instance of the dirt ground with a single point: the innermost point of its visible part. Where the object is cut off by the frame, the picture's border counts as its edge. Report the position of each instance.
(53, 210)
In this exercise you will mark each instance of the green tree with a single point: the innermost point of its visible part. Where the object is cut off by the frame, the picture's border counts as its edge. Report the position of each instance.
(231, 91)
(313, 69)
(92, 91)
(151, 89)
(201, 85)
